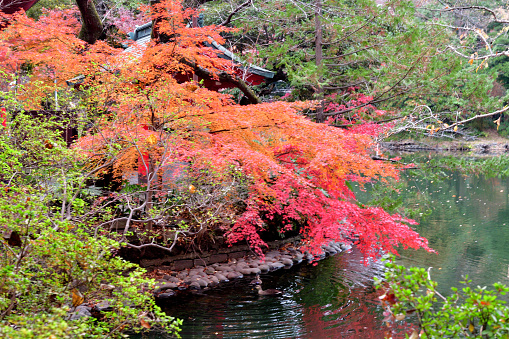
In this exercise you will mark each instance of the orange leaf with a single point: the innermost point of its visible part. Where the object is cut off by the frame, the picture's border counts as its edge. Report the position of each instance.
(144, 324)
(77, 297)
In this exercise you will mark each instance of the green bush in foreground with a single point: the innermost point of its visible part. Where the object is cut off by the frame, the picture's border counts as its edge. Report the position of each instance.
(52, 259)
(47, 270)
(466, 313)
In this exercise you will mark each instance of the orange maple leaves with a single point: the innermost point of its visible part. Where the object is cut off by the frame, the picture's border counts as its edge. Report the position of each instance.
(297, 170)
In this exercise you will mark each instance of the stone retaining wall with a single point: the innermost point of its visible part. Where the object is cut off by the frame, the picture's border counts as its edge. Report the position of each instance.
(189, 260)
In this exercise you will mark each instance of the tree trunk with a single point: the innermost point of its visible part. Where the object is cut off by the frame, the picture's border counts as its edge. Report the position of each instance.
(318, 59)
(91, 27)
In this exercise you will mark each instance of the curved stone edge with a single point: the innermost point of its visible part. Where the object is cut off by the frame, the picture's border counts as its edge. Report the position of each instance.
(203, 274)
(189, 260)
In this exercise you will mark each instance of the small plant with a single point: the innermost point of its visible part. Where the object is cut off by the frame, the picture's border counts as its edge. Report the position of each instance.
(409, 293)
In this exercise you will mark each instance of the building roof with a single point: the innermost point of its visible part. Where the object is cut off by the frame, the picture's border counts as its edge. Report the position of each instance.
(142, 35)
(12, 6)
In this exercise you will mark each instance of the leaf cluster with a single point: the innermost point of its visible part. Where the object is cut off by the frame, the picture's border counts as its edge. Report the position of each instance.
(409, 293)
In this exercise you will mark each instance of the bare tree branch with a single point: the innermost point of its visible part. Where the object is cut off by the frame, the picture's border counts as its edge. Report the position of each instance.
(481, 8)
(235, 11)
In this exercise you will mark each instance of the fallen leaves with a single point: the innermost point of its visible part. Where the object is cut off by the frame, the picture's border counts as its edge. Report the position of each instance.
(77, 297)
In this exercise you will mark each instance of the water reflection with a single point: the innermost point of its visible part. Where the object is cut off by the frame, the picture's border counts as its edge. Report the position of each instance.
(468, 227)
(334, 299)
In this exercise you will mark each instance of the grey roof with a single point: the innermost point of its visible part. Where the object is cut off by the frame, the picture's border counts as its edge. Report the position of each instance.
(250, 67)
(143, 33)
(136, 49)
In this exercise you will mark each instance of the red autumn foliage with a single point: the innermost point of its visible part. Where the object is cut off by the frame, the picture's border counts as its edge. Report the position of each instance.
(298, 171)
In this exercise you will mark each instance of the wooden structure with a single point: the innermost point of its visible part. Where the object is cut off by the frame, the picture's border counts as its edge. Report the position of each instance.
(252, 75)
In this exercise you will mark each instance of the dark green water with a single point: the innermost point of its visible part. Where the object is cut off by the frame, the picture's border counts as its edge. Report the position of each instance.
(468, 226)
(334, 299)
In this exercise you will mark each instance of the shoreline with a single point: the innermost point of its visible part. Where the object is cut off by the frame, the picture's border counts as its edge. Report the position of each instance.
(492, 145)
(170, 282)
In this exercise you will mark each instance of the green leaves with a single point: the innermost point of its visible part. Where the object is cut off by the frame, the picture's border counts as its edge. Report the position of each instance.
(474, 312)
(56, 262)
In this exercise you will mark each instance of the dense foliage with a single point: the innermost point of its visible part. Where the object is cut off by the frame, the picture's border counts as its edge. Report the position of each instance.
(50, 263)
(409, 293)
(205, 167)
(401, 57)
(183, 165)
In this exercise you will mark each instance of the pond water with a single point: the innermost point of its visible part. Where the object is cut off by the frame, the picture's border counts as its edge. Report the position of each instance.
(468, 226)
(334, 299)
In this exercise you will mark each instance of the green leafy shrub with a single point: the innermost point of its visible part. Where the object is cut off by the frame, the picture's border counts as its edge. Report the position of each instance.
(51, 259)
(409, 293)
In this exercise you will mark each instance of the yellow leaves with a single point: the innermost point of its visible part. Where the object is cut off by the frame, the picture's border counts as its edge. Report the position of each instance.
(471, 328)
(192, 189)
(152, 140)
(455, 129)
(484, 62)
(77, 297)
(471, 61)
(497, 122)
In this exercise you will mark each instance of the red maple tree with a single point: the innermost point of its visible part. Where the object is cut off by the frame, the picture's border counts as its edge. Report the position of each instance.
(296, 171)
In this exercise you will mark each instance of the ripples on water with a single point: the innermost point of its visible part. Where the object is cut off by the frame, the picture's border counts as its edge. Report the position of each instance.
(334, 299)
(468, 226)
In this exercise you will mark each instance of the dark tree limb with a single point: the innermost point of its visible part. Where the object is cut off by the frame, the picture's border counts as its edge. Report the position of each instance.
(223, 76)
(91, 27)
(235, 11)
